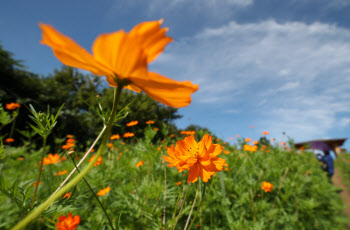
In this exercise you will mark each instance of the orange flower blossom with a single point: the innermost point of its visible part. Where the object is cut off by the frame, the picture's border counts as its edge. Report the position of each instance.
(68, 194)
(140, 163)
(265, 133)
(9, 140)
(51, 159)
(149, 122)
(132, 123)
(98, 162)
(68, 222)
(267, 187)
(60, 173)
(12, 106)
(115, 136)
(128, 135)
(104, 191)
(124, 57)
(199, 158)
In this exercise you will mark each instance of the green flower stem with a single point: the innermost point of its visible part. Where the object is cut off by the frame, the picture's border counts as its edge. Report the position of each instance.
(95, 195)
(199, 207)
(183, 202)
(36, 212)
(194, 202)
(40, 170)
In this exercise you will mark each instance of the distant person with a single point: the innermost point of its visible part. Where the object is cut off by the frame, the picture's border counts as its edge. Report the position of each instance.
(328, 164)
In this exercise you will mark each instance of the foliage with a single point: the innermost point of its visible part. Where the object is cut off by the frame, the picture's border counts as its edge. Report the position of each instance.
(343, 164)
(302, 197)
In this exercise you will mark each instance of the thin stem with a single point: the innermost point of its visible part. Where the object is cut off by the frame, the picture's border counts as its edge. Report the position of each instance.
(81, 161)
(32, 215)
(95, 195)
(199, 206)
(194, 202)
(177, 218)
(40, 170)
(164, 211)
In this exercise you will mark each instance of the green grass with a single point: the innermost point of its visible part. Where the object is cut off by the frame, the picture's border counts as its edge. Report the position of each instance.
(302, 197)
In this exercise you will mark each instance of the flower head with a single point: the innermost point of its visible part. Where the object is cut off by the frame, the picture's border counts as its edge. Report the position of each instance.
(126, 135)
(132, 123)
(98, 162)
(68, 194)
(9, 140)
(140, 163)
(51, 159)
(115, 136)
(68, 222)
(149, 122)
(123, 58)
(265, 133)
(60, 173)
(104, 191)
(267, 187)
(12, 106)
(199, 158)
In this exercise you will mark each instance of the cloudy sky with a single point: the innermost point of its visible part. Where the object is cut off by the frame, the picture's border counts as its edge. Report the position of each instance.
(281, 66)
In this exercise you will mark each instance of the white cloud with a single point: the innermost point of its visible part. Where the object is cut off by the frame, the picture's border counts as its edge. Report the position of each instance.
(296, 76)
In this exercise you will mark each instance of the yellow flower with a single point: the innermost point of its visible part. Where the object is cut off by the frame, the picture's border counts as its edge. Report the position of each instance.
(124, 57)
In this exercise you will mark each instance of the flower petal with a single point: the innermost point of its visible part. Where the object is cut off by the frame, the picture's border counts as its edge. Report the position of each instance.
(151, 37)
(165, 90)
(193, 174)
(122, 53)
(69, 52)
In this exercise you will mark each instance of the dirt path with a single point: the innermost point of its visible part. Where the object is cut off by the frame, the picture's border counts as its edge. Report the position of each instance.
(345, 194)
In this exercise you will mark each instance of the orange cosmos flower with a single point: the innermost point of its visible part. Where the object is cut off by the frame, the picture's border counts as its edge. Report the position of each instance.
(199, 158)
(115, 136)
(140, 163)
(132, 123)
(68, 223)
(51, 159)
(248, 139)
(123, 58)
(40, 182)
(227, 152)
(172, 135)
(149, 122)
(255, 142)
(69, 136)
(250, 148)
(265, 133)
(188, 132)
(128, 135)
(9, 140)
(110, 145)
(68, 194)
(237, 135)
(231, 138)
(98, 162)
(267, 187)
(179, 183)
(60, 173)
(252, 126)
(12, 106)
(104, 191)
(156, 129)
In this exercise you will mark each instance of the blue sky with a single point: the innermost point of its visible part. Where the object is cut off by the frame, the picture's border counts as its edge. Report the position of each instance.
(282, 66)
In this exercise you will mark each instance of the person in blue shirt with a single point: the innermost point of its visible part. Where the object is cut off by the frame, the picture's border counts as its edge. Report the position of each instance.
(328, 164)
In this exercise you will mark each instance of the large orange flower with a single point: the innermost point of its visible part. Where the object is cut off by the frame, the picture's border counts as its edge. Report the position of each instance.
(199, 158)
(68, 223)
(124, 57)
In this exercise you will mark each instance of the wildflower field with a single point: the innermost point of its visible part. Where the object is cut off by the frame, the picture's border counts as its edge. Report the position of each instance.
(140, 172)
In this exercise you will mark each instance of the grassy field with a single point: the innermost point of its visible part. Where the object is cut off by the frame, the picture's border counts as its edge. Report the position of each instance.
(151, 194)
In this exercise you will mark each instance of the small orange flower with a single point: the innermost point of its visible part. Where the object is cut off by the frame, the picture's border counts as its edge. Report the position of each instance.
(140, 163)
(104, 191)
(248, 139)
(265, 133)
(273, 139)
(267, 187)
(132, 123)
(252, 126)
(227, 169)
(68, 223)
(237, 135)
(115, 136)
(68, 194)
(70, 136)
(179, 183)
(172, 135)
(231, 138)
(227, 152)
(308, 172)
(149, 122)
(51, 159)
(110, 145)
(20, 158)
(124, 57)
(255, 142)
(156, 129)
(250, 148)
(199, 158)
(283, 143)
(9, 140)
(12, 106)
(60, 173)
(98, 162)
(188, 132)
(128, 134)
(40, 182)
